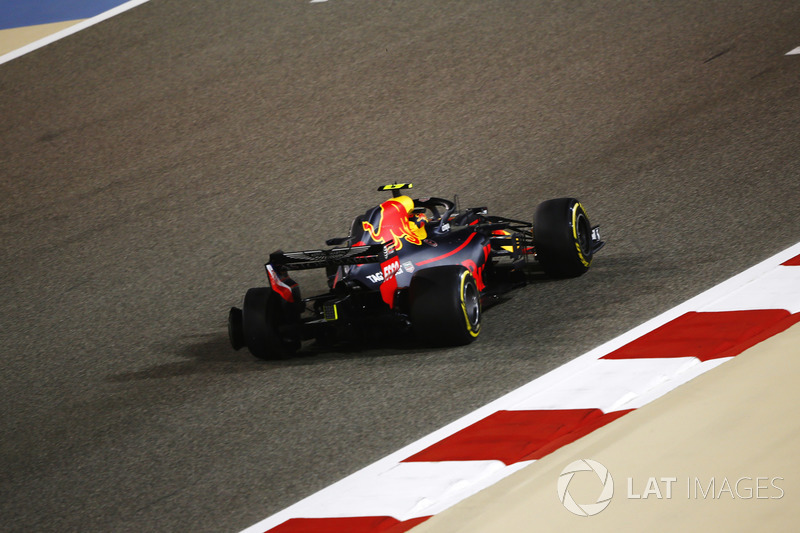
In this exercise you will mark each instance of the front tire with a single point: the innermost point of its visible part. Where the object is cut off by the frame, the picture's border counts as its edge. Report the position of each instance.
(445, 306)
(562, 238)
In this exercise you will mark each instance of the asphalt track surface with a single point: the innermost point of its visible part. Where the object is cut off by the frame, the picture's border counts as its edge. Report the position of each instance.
(150, 163)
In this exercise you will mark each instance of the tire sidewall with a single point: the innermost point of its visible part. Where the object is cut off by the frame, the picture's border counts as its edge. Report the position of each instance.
(445, 306)
(263, 314)
(467, 292)
(562, 238)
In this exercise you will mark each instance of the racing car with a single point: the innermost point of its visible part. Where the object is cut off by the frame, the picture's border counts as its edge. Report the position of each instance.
(416, 267)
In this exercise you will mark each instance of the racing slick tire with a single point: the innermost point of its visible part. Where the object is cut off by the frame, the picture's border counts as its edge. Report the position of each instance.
(445, 306)
(235, 328)
(562, 237)
(269, 329)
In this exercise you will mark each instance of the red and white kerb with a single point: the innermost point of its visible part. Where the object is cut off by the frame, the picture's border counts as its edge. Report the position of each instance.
(413, 484)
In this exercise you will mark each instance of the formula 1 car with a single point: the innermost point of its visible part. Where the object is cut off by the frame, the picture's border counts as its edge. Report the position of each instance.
(417, 267)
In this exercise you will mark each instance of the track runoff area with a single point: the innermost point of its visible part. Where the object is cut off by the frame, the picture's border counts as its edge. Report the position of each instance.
(30, 25)
(415, 483)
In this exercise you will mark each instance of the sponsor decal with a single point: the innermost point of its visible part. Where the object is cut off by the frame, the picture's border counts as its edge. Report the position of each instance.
(390, 268)
(477, 272)
(431, 243)
(408, 266)
(375, 278)
(335, 254)
(389, 286)
(394, 225)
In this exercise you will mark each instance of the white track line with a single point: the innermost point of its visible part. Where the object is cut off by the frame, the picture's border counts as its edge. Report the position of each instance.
(70, 30)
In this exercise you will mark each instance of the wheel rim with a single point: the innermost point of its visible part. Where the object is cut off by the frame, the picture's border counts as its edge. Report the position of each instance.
(583, 233)
(472, 306)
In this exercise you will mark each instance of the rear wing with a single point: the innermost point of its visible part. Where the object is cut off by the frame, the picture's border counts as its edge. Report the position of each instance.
(353, 255)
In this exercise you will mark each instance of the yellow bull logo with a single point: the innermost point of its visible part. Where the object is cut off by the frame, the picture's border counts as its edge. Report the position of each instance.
(394, 224)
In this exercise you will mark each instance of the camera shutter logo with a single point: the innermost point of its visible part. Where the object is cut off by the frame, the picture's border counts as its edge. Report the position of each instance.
(585, 509)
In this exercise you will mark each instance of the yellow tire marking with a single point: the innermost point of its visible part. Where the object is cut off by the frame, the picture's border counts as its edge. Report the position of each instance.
(575, 209)
(472, 332)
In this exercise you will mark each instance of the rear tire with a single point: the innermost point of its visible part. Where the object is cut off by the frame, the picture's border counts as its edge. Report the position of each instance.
(445, 306)
(270, 329)
(235, 328)
(562, 237)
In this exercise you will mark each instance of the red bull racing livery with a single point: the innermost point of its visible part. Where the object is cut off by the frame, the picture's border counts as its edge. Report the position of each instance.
(413, 267)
